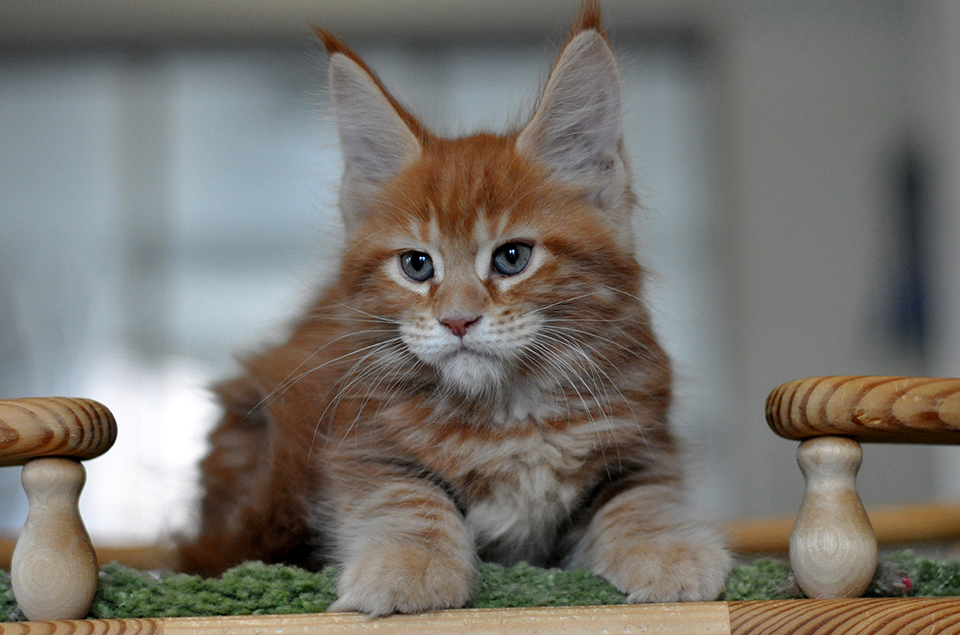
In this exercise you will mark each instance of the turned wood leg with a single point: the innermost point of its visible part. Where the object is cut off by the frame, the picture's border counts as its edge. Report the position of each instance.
(54, 570)
(833, 550)
(833, 547)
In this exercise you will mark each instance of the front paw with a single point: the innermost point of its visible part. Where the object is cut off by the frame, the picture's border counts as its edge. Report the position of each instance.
(403, 579)
(689, 564)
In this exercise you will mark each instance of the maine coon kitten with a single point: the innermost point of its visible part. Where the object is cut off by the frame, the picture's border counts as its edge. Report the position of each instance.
(481, 380)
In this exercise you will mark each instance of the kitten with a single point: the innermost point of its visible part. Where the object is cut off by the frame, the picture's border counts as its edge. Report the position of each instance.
(480, 382)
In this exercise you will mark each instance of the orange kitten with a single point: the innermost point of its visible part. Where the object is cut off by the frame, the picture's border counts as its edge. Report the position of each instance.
(480, 382)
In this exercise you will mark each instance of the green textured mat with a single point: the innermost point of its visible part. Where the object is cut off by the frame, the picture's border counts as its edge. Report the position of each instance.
(258, 589)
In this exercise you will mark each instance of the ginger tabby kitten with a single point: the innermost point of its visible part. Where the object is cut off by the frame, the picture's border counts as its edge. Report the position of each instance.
(480, 382)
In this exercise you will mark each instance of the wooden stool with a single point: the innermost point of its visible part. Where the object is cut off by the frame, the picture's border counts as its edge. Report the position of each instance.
(54, 570)
(833, 550)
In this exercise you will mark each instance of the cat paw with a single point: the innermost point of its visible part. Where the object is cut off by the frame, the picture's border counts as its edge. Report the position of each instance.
(691, 565)
(403, 579)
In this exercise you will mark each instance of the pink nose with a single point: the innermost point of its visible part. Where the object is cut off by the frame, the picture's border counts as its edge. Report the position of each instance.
(459, 325)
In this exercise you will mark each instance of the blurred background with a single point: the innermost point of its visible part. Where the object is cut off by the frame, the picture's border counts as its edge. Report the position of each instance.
(168, 175)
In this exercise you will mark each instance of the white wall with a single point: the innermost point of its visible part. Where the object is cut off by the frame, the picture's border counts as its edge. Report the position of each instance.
(934, 85)
(817, 99)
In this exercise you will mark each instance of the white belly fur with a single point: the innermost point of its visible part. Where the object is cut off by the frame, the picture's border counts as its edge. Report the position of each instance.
(526, 505)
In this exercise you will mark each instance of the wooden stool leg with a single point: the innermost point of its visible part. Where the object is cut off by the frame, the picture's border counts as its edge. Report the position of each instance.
(54, 569)
(833, 550)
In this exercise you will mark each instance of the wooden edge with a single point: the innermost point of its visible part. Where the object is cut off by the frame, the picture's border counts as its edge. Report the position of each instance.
(900, 616)
(774, 617)
(54, 426)
(868, 409)
(707, 618)
(770, 535)
(148, 558)
(893, 525)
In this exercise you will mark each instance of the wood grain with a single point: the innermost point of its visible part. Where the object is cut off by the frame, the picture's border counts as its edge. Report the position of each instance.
(54, 426)
(907, 616)
(704, 618)
(871, 409)
(904, 616)
(54, 570)
(86, 627)
(833, 550)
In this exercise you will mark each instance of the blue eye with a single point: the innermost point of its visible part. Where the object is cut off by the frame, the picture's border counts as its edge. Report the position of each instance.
(512, 258)
(417, 265)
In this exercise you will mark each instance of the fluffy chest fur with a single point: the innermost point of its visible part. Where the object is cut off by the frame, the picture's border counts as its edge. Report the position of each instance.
(525, 501)
(519, 483)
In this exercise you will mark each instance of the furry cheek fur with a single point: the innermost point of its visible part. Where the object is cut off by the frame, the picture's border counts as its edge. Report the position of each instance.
(481, 381)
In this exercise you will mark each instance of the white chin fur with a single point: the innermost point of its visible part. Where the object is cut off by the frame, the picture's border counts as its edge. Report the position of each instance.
(470, 374)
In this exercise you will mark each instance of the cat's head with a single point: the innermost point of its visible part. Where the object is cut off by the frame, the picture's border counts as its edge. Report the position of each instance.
(496, 257)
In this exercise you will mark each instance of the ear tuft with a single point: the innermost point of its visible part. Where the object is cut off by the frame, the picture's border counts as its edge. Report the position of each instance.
(332, 43)
(377, 136)
(588, 20)
(374, 139)
(577, 129)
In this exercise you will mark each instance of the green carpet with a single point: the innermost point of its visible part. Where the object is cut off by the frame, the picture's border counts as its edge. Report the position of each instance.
(258, 589)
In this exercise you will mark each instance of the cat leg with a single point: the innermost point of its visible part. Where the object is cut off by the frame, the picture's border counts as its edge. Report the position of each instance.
(650, 546)
(404, 548)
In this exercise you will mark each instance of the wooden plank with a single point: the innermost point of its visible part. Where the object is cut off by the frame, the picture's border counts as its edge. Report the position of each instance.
(868, 409)
(906, 616)
(703, 618)
(54, 426)
(86, 627)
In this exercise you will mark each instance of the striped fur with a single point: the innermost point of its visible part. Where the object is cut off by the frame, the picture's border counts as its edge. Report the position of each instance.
(408, 428)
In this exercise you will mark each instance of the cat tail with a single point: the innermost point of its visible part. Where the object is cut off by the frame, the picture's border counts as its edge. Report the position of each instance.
(246, 513)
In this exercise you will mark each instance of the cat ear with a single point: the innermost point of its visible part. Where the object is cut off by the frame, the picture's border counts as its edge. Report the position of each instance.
(577, 129)
(377, 136)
